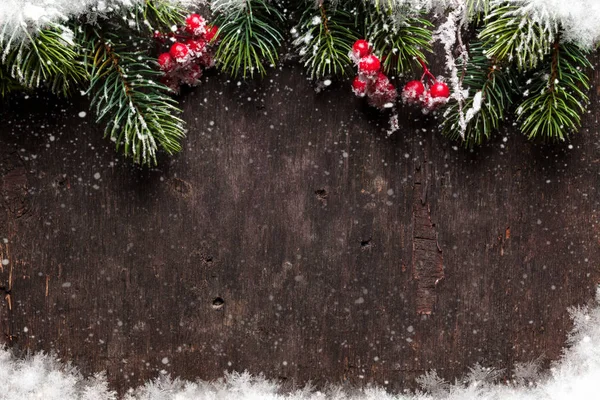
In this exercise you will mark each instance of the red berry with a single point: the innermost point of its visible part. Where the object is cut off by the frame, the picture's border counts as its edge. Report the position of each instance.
(369, 65)
(165, 61)
(439, 89)
(412, 92)
(211, 33)
(431, 103)
(381, 82)
(179, 52)
(383, 97)
(390, 90)
(359, 87)
(195, 24)
(196, 46)
(427, 102)
(361, 48)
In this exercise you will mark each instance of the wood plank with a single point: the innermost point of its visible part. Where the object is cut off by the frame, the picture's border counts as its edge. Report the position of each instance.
(283, 240)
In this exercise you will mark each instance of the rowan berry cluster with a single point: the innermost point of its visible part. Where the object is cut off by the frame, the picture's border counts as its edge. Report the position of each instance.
(371, 82)
(428, 93)
(190, 51)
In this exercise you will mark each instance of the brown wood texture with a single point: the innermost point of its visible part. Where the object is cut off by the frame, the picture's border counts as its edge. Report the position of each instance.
(291, 237)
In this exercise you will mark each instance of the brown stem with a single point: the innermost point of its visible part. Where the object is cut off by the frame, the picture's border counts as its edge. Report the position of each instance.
(426, 72)
(323, 16)
(115, 61)
(554, 65)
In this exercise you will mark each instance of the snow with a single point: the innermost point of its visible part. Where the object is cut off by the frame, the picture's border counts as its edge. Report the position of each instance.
(471, 112)
(226, 6)
(20, 19)
(574, 376)
(402, 6)
(447, 35)
(579, 18)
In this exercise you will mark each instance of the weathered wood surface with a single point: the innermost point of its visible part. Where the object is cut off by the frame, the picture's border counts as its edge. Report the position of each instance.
(292, 238)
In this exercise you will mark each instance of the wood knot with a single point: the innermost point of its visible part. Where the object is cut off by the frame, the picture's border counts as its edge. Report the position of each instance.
(180, 186)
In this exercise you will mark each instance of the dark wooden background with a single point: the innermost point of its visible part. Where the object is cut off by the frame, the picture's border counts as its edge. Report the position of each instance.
(291, 237)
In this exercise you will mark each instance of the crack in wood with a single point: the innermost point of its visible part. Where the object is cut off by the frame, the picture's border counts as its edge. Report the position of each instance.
(427, 260)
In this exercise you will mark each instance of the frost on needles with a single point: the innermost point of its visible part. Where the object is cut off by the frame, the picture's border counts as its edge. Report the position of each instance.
(22, 19)
(579, 18)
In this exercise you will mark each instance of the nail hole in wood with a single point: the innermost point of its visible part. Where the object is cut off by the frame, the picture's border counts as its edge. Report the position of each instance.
(366, 244)
(60, 180)
(218, 303)
(321, 194)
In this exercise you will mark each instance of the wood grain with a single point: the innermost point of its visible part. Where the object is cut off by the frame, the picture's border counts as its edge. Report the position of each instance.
(287, 239)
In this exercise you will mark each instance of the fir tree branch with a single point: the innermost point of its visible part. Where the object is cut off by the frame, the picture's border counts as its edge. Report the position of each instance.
(326, 39)
(557, 94)
(477, 10)
(49, 59)
(401, 44)
(250, 37)
(511, 34)
(494, 84)
(139, 113)
(383, 5)
(158, 14)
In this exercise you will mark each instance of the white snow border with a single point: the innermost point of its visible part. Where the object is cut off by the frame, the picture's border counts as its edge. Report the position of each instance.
(576, 376)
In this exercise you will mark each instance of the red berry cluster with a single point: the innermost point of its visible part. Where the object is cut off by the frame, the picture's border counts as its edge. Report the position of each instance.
(427, 95)
(190, 50)
(371, 82)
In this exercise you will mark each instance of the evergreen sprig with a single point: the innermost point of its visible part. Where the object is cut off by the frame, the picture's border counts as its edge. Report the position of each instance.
(494, 83)
(159, 14)
(512, 35)
(111, 59)
(49, 59)
(250, 37)
(477, 9)
(557, 94)
(400, 44)
(327, 33)
(138, 112)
